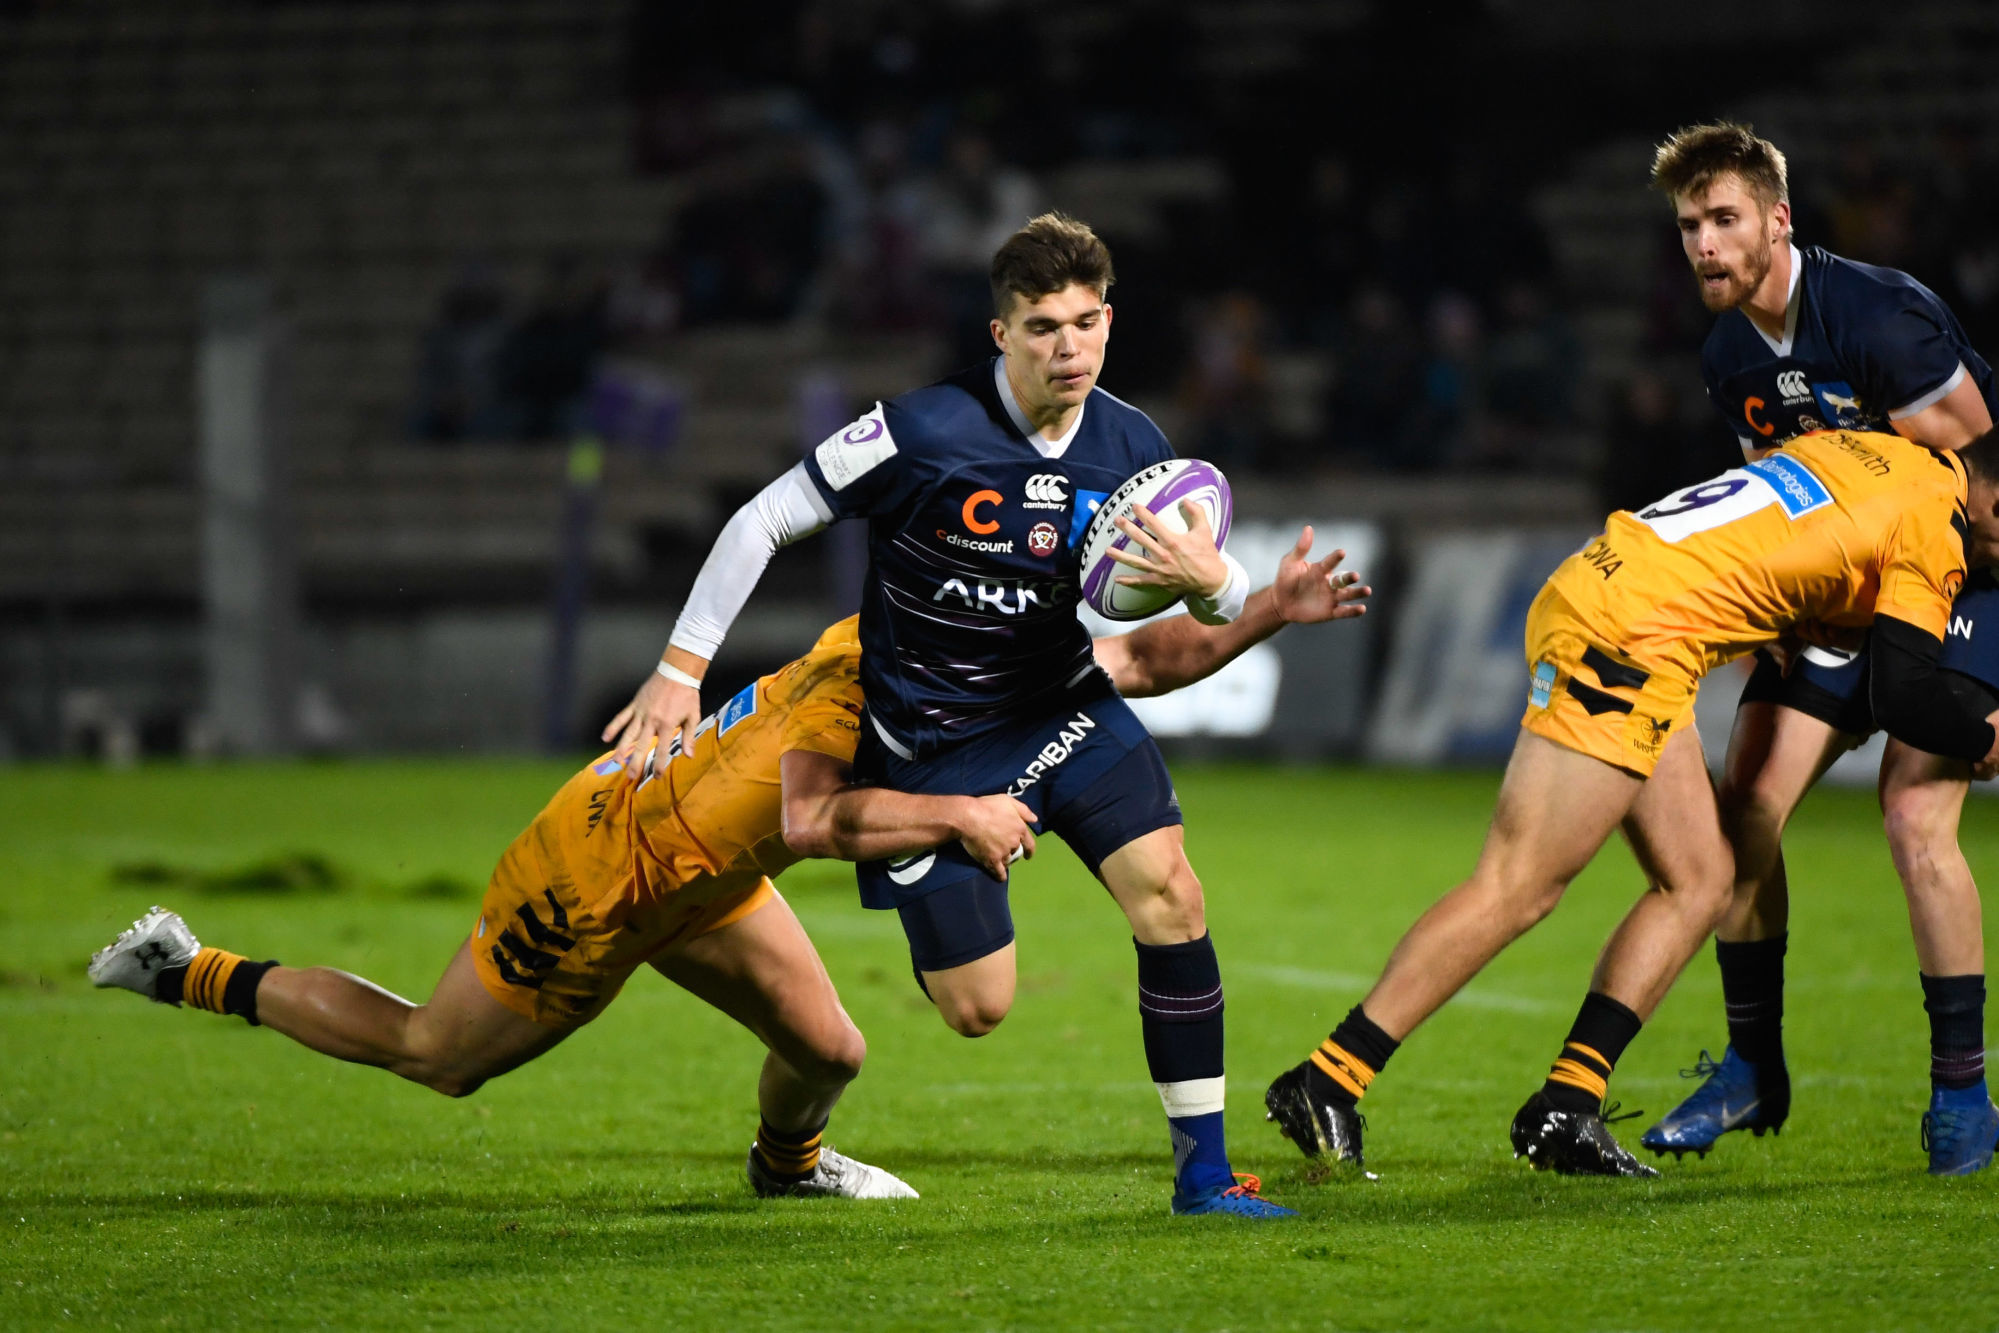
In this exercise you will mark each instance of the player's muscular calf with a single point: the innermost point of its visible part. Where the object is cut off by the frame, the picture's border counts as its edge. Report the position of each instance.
(1922, 796)
(1775, 755)
(452, 1043)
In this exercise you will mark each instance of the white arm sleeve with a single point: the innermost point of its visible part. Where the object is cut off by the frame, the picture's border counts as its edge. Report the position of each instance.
(784, 511)
(1227, 604)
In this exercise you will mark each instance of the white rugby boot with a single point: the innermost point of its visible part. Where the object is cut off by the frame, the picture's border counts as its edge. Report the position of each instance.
(836, 1177)
(157, 941)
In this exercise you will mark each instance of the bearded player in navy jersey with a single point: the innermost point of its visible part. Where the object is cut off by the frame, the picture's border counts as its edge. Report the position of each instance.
(1806, 341)
(979, 677)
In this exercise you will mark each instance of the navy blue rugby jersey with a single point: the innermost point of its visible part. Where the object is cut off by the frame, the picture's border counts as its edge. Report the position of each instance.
(968, 617)
(1861, 344)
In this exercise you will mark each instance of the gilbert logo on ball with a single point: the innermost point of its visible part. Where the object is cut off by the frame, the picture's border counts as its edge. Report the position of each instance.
(1160, 488)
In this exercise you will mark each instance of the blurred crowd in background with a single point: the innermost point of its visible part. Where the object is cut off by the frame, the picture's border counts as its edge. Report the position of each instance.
(1332, 305)
(1397, 312)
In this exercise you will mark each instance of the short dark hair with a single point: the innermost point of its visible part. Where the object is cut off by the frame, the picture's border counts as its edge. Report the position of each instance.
(1051, 252)
(1981, 456)
(1693, 158)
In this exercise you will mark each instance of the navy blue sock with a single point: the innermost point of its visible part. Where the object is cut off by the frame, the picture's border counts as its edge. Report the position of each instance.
(1180, 1014)
(1956, 1006)
(1752, 987)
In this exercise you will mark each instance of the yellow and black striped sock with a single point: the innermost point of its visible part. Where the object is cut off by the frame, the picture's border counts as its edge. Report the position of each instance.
(1351, 1073)
(788, 1155)
(1580, 1077)
(218, 981)
(1348, 1060)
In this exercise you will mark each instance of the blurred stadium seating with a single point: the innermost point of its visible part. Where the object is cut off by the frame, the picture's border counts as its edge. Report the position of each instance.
(1366, 299)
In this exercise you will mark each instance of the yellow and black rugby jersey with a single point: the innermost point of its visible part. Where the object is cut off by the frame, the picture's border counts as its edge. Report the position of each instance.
(1836, 527)
(716, 807)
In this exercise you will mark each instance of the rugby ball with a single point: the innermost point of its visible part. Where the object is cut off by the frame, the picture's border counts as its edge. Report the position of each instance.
(1160, 488)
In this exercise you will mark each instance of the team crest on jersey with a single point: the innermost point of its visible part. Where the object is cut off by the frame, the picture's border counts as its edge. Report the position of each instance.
(1840, 404)
(1042, 539)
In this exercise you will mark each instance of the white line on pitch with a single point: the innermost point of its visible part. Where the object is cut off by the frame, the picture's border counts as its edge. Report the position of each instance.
(1307, 978)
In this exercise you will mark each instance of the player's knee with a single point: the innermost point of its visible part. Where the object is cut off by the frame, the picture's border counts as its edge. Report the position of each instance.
(1755, 812)
(1704, 884)
(1518, 902)
(973, 1015)
(456, 1085)
(837, 1058)
(1532, 906)
(1915, 823)
(445, 1079)
(438, 1066)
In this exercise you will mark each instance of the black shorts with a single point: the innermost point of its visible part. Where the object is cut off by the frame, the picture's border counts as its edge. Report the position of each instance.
(1818, 685)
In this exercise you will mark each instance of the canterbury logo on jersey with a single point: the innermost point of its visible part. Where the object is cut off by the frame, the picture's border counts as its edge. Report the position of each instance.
(1045, 490)
(1791, 383)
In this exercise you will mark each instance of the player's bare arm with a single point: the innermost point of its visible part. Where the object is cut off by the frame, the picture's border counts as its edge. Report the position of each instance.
(826, 815)
(1952, 422)
(1171, 654)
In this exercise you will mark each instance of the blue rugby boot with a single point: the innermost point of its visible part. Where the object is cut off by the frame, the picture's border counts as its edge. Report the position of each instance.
(1960, 1130)
(1238, 1200)
(1736, 1095)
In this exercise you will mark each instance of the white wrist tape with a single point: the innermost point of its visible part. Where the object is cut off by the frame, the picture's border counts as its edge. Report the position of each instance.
(679, 677)
(1227, 604)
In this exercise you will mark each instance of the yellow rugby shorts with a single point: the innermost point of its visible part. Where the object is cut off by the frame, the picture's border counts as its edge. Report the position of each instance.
(568, 915)
(1592, 700)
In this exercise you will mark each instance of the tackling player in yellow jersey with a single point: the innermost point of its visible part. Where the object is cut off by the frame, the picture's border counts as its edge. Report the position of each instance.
(1843, 530)
(672, 869)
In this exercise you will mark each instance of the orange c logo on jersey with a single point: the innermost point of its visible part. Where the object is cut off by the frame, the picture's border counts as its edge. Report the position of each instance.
(974, 523)
(1749, 407)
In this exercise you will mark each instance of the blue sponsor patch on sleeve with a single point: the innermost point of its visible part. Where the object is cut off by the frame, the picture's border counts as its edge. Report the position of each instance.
(1087, 504)
(1840, 404)
(1798, 489)
(738, 708)
(1543, 689)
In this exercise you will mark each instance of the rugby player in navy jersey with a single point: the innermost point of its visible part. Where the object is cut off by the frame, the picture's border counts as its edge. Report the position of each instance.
(1806, 340)
(978, 675)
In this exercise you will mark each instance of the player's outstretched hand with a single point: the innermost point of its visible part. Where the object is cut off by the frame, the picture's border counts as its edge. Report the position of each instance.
(661, 710)
(996, 832)
(1309, 591)
(1184, 563)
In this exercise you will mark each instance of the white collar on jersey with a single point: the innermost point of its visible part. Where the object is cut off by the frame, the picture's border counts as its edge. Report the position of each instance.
(1792, 300)
(1046, 448)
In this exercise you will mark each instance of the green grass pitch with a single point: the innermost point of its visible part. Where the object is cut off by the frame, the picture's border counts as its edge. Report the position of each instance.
(165, 1168)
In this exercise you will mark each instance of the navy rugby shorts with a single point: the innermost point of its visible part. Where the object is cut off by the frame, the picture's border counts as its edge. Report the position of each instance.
(1086, 766)
(1832, 686)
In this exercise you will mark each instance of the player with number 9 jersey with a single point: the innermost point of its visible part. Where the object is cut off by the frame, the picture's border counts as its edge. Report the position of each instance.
(1817, 538)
